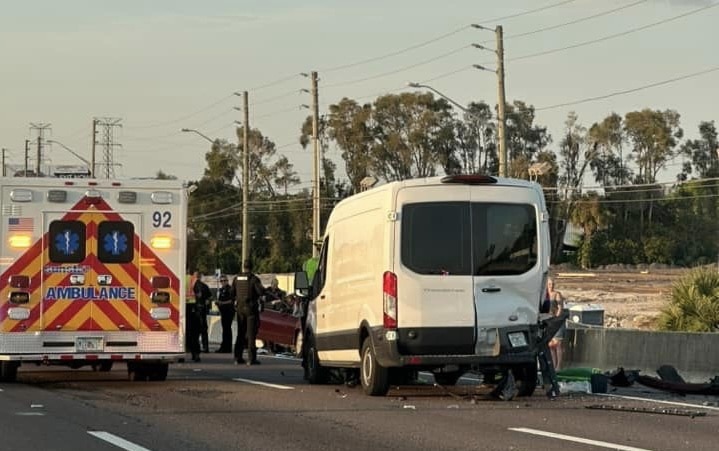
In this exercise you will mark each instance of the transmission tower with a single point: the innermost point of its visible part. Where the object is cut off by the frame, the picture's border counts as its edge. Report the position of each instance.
(106, 126)
(39, 132)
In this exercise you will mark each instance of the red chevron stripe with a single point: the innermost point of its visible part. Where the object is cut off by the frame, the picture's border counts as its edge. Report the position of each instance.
(72, 308)
(116, 317)
(89, 325)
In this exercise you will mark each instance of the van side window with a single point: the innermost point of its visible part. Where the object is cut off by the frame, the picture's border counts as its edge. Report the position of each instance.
(321, 274)
(67, 241)
(469, 238)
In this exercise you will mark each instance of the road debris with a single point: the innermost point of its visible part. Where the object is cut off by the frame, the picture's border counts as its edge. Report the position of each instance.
(651, 410)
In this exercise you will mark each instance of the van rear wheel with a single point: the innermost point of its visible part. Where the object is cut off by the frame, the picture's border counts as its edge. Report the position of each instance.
(375, 378)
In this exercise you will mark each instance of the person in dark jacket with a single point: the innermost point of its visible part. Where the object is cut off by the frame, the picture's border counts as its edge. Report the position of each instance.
(203, 295)
(226, 304)
(247, 290)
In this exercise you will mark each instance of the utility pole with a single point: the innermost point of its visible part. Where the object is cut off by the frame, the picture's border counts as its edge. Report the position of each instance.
(4, 172)
(40, 128)
(94, 142)
(245, 178)
(501, 103)
(315, 167)
(27, 149)
(108, 125)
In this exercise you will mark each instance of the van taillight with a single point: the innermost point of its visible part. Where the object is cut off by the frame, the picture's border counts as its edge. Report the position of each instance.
(389, 297)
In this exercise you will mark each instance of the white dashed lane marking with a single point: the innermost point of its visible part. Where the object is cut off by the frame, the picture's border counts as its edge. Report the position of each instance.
(570, 438)
(264, 384)
(117, 441)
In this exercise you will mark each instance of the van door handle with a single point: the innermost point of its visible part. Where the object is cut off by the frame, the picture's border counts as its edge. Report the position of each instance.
(491, 290)
(322, 296)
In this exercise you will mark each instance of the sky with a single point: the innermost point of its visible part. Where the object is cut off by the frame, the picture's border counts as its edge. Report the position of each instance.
(164, 65)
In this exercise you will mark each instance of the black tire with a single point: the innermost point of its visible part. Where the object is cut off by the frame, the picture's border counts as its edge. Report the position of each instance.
(526, 378)
(448, 379)
(374, 378)
(315, 373)
(8, 371)
(298, 343)
(158, 371)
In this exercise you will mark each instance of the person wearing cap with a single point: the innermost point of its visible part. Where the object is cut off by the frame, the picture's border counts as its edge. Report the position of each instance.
(226, 305)
(247, 290)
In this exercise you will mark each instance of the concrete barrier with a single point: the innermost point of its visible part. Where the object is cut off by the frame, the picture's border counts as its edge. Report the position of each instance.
(694, 355)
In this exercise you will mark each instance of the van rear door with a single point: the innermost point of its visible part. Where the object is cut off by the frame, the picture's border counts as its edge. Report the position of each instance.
(506, 269)
(433, 263)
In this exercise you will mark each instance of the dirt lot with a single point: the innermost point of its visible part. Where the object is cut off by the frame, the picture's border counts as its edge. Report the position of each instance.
(632, 298)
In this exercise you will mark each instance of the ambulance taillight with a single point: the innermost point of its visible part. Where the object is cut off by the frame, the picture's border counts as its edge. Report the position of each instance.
(19, 293)
(160, 284)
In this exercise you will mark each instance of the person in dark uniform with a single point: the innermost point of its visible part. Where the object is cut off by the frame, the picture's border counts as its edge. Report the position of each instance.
(203, 295)
(226, 305)
(247, 290)
(192, 323)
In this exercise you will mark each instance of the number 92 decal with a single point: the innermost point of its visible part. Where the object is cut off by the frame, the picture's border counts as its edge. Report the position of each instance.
(161, 219)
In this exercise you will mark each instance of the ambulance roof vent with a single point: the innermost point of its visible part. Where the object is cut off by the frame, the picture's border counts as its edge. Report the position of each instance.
(127, 197)
(21, 195)
(161, 197)
(57, 195)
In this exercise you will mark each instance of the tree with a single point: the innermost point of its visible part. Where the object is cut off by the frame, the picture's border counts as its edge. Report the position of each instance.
(476, 150)
(163, 176)
(349, 127)
(413, 135)
(704, 153)
(576, 153)
(524, 138)
(693, 303)
(223, 159)
(285, 175)
(608, 165)
(653, 135)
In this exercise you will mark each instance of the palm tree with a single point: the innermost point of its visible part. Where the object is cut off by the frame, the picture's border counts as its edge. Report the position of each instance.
(693, 303)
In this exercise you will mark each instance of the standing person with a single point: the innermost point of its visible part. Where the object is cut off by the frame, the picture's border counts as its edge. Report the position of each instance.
(226, 305)
(556, 307)
(247, 290)
(192, 321)
(202, 300)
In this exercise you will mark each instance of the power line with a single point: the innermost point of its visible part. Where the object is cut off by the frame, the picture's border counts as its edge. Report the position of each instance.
(401, 69)
(182, 118)
(612, 36)
(571, 22)
(629, 91)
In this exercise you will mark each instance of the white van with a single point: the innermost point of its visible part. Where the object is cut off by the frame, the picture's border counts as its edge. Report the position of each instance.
(444, 274)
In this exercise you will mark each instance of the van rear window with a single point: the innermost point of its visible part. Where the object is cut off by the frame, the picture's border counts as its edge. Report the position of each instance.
(469, 238)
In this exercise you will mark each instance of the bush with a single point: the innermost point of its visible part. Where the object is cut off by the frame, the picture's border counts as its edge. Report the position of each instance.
(693, 303)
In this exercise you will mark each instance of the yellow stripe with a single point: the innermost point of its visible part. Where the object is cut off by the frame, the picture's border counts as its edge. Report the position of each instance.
(79, 319)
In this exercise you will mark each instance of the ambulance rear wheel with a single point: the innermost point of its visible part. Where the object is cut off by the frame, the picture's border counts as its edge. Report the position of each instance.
(8, 371)
(374, 377)
(158, 371)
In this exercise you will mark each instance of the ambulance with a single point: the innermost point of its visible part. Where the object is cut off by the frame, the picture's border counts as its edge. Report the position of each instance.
(91, 274)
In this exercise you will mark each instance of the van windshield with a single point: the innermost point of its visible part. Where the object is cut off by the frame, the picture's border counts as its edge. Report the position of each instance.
(469, 238)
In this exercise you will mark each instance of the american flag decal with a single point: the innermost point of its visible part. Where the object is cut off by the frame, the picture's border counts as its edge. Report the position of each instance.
(20, 225)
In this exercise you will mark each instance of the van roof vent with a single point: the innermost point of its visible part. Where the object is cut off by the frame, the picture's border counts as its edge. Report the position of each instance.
(469, 179)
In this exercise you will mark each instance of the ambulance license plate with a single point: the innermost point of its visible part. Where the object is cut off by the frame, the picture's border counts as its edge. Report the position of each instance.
(89, 344)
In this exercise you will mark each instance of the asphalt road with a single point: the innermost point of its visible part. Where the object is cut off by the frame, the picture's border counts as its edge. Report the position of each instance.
(215, 405)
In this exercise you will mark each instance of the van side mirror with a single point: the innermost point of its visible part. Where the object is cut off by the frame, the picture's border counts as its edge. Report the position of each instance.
(302, 284)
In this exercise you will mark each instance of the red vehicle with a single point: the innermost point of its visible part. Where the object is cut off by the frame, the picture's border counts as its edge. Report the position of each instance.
(279, 330)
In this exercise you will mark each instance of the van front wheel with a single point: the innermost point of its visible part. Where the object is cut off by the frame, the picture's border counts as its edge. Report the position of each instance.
(375, 378)
(314, 372)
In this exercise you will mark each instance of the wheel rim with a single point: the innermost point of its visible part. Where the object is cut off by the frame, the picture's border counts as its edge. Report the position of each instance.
(298, 342)
(367, 367)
